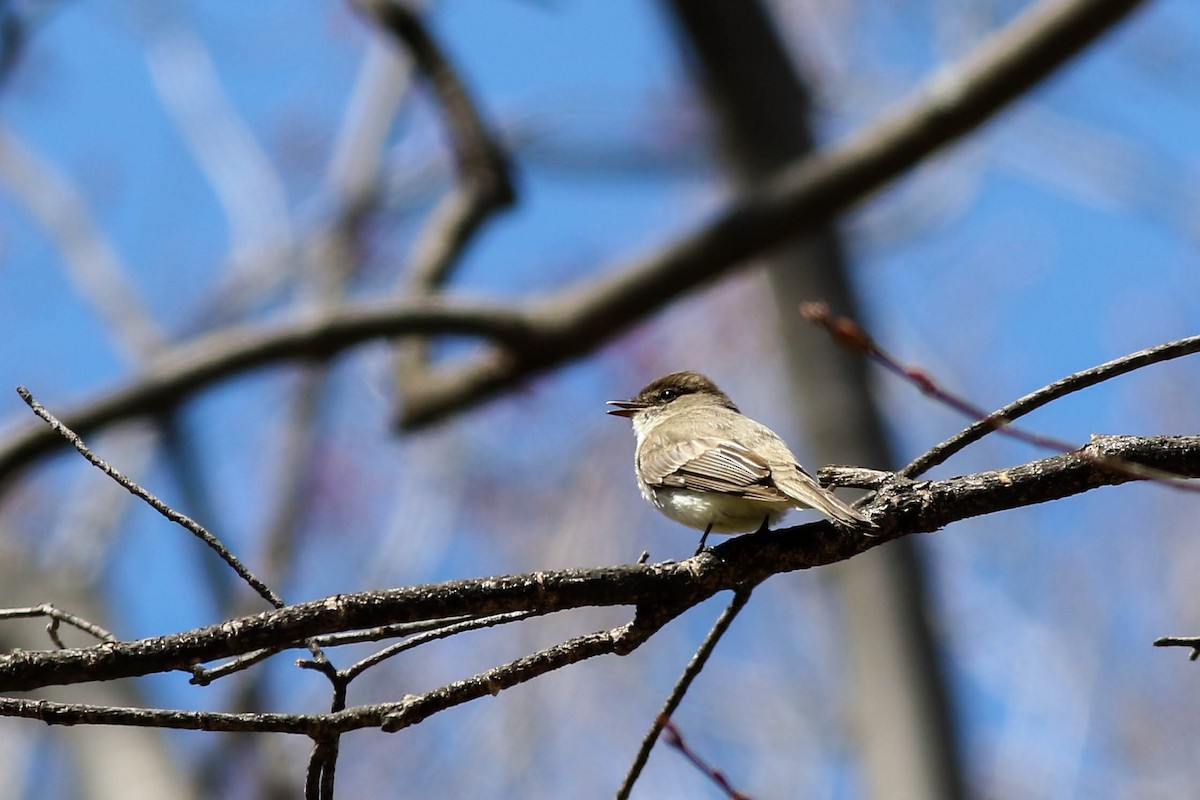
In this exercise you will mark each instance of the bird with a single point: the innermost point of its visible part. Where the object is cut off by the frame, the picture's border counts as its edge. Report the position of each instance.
(703, 463)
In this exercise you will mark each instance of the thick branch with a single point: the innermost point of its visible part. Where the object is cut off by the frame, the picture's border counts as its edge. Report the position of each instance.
(901, 508)
(478, 156)
(579, 320)
(180, 371)
(485, 184)
(799, 199)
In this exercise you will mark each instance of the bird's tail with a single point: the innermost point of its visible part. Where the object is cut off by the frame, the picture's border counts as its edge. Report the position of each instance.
(804, 489)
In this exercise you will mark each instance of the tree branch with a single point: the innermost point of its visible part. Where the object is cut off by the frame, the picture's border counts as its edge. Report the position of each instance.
(182, 520)
(681, 687)
(541, 335)
(900, 508)
(484, 183)
(799, 199)
(480, 161)
(1035, 400)
(180, 371)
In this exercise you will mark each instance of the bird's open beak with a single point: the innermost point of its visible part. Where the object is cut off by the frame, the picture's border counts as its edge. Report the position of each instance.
(624, 408)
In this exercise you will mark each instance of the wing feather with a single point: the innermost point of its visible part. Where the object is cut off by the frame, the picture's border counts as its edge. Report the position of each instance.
(709, 464)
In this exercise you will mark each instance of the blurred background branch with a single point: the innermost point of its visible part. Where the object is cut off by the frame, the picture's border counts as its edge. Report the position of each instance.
(221, 225)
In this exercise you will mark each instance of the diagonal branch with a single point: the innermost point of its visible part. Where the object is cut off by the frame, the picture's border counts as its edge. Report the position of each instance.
(740, 598)
(485, 184)
(1035, 400)
(802, 197)
(180, 371)
(182, 520)
(576, 321)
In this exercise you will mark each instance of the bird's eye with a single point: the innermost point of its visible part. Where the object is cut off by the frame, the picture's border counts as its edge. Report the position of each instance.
(669, 394)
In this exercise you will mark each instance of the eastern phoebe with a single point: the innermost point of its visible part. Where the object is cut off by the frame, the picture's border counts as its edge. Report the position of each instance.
(702, 463)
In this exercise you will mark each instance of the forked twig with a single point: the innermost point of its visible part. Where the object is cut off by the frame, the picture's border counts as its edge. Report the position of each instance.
(740, 597)
(1060, 388)
(852, 336)
(354, 670)
(57, 617)
(202, 676)
(484, 183)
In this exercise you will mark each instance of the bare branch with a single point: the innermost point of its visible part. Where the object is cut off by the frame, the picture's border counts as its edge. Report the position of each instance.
(693, 669)
(1072, 383)
(184, 521)
(182, 370)
(57, 617)
(618, 641)
(53, 713)
(900, 508)
(359, 667)
(851, 335)
(799, 199)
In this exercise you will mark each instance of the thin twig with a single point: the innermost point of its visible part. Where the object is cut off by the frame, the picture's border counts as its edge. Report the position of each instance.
(356, 669)
(1060, 388)
(740, 597)
(54, 713)
(57, 617)
(853, 336)
(675, 739)
(1181, 641)
(202, 676)
(184, 521)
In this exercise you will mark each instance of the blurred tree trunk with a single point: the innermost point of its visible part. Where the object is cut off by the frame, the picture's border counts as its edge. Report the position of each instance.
(904, 729)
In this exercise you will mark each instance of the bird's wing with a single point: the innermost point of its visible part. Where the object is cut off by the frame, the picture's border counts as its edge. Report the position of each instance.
(708, 464)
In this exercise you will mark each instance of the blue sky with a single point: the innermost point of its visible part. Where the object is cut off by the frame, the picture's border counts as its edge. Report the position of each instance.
(1061, 235)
